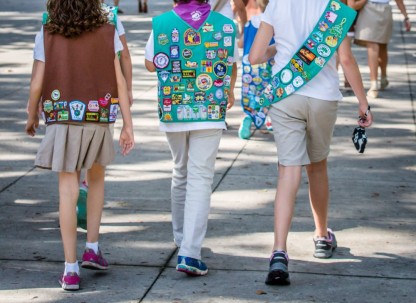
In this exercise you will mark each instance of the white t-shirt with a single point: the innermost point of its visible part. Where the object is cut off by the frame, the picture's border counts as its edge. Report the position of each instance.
(226, 10)
(380, 1)
(292, 22)
(39, 50)
(149, 53)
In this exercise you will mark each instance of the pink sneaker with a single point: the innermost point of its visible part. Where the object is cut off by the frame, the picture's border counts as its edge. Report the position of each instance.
(70, 281)
(92, 260)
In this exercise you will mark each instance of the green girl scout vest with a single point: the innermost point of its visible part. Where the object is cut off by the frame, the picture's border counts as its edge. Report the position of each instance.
(193, 67)
(314, 53)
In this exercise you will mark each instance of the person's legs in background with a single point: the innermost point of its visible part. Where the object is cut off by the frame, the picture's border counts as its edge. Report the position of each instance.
(373, 51)
(383, 60)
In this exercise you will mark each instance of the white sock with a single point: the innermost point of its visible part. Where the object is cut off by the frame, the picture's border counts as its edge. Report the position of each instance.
(71, 267)
(93, 246)
(373, 84)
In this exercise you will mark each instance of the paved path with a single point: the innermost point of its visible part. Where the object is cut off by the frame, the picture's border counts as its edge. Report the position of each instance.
(373, 197)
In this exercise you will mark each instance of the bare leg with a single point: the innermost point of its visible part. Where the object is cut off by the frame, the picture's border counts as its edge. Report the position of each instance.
(116, 2)
(319, 195)
(68, 196)
(287, 188)
(373, 50)
(383, 60)
(95, 201)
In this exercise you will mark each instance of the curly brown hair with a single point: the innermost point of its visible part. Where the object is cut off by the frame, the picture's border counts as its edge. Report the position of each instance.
(71, 18)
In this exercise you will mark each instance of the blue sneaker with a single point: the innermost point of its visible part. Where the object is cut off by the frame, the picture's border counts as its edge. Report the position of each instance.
(191, 266)
(244, 132)
(278, 271)
(82, 206)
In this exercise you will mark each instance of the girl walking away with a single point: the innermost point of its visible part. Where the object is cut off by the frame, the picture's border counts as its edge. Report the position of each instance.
(193, 52)
(304, 95)
(78, 106)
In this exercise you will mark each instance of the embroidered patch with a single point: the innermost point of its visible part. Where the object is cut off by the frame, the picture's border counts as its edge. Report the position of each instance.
(192, 37)
(161, 60)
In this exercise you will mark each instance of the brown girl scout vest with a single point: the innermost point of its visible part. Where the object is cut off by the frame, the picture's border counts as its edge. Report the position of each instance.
(80, 82)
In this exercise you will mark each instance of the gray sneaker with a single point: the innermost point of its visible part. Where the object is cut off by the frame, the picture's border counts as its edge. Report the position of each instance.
(324, 246)
(278, 271)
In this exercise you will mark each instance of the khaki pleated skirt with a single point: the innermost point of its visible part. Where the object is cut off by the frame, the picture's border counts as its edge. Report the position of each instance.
(72, 147)
(374, 24)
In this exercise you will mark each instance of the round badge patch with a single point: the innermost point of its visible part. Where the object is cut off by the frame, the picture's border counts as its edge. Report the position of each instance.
(204, 82)
(161, 60)
(220, 69)
(286, 76)
(247, 78)
(323, 50)
(219, 94)
(56, 94)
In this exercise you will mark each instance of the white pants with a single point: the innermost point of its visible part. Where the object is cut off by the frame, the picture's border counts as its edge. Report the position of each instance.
(193, 154)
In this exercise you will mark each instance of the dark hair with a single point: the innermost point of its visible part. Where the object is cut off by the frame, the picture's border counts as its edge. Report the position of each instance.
(187, 1)
(71, 18)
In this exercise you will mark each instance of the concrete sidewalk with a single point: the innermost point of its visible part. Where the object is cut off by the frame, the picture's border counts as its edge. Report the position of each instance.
(373, 196)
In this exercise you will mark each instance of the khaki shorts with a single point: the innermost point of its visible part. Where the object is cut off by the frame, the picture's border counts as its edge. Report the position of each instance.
(374, 24)
(70, 147)
(302, 129)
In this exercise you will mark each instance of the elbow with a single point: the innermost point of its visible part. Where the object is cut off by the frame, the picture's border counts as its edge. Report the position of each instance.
(149, 66)
(253, 59)
(347, 60)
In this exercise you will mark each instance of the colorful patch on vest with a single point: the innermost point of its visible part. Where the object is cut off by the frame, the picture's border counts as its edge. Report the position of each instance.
(164, 75)
(190, 85)
(191, 73)
(296, 65)
(217, 36)
(228, 29)
(60, 105)
(323, 26)
(192, 37)
(318, 37)
(163, 39)
(289, 89)
(113, 112)
(55, 95)
(63, 115)
(210, 54)
(335, 6)
(167, 104)
(218, 82)
(174, 52)
(228, 41)
(114, 101)
(191, 64)
(213, 112)
(179, 88)
(306, 55)
(47, 106)
(187, 53)
(286, 76)
(323, 50)
(204, 82)
(161, 60)
(186, 99)
(93, 117)
(166, 90)
(50, 117)
(211, 44)
(331, 41)
(104, 115)
(206, 66)
(77, 109)
(222, 53)
(103, 102)
(199, 97)
(310, 44)
(320, 61)
(207, 28)
(176, 78)
(298, 81)
(176, 66)
(175, 35)
(93, 106)
(331, 16)
(176, 99)
(219, 94)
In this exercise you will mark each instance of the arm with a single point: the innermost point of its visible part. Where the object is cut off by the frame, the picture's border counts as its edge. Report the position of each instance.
(260, 50)
(35, 93)
(402, 8)
(126, 67)
(231, 98)
(356, 4)
(239, 10)
(126, 141)
(353, 75)
(149, 65)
